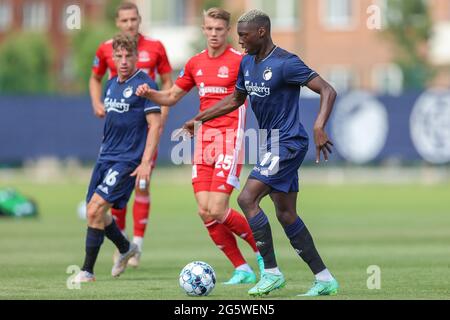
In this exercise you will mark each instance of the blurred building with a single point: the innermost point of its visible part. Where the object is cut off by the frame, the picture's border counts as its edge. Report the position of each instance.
(49, 17)
(336, 37)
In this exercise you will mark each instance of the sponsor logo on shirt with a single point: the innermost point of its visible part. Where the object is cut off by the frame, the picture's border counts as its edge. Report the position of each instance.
(223, 72)
(254, 89)
(114, 105)
(203, 90)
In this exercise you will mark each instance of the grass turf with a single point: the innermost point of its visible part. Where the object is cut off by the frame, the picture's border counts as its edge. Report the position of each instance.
(403, 229)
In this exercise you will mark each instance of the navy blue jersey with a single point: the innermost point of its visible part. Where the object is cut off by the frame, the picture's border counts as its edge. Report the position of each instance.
(273, 86)
(125, 131)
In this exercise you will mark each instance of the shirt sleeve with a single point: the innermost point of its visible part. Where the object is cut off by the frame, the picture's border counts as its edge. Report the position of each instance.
(99, 65)
(185, 79)
(163, 65)
(240, 82)
(295, 71)
(150, 106)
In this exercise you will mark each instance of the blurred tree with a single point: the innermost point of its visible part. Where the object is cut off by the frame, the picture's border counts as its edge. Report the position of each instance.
(409, 26)
(85, 43)
(26, 64)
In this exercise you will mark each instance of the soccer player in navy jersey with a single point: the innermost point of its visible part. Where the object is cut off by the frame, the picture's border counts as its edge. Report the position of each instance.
(272, 78)
(130, 138)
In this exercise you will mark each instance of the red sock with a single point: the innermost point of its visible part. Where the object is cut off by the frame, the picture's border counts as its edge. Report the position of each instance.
(141, 211)
(225, 241)
(237, 223)
(120, 217)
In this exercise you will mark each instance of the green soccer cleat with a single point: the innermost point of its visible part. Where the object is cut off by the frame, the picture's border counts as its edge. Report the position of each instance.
(240, 277)
(260, 261)
(268, 283)
(322, 288)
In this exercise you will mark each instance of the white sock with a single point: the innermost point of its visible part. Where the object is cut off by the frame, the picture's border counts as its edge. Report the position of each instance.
(324, 275)
(245, 267)
(139, 241)
(274, 271)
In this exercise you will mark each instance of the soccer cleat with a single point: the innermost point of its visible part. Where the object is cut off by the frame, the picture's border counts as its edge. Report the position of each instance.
(116, 254)
(260, 261)
(121, 264)
(268, 283)
(135, 260)
(240, 277)
(322, 288)
(84, 276)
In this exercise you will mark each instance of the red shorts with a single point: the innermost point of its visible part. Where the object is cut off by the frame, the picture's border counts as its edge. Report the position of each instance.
(218, 159)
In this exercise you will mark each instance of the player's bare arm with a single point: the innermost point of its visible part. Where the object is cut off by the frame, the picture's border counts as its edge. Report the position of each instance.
(143, 171)
(224, 106)
(163, 97)
(327, 98)
(95, 90)
(166, 84)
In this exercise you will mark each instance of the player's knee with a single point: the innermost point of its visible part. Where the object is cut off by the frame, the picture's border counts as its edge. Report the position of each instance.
(93, 213)
(203, 213)
(246, 201)
(217, 212)
(286, 218)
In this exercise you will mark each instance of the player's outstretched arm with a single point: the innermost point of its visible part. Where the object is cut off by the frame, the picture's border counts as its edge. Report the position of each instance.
(327, 98)
(224, 106)
(95, 91)
(166, 84)
(142, 172)
(163, 97)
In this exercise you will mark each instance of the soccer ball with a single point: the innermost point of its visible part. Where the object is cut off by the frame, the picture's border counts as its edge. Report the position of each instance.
(197, 279)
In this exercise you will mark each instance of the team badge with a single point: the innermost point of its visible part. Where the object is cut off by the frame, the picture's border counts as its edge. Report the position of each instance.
(267, 75)
(144, 56)
(128, 92)
(223, 72)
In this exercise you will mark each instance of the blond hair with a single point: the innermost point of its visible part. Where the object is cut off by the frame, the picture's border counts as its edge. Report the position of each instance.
(218, 13)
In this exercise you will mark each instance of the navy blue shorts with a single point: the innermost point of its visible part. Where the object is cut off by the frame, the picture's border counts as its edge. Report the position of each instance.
(112, 181)
(280, 172)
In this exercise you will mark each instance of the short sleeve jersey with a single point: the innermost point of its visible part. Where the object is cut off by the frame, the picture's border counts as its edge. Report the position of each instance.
(273, 86)
(125, 130)
(215, 78)
(152, 58)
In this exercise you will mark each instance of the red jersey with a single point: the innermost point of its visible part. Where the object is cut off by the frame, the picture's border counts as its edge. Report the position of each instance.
(152, 57)
(215, 79)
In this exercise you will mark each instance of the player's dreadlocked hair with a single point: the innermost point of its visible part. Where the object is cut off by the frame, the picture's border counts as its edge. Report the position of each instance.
(257, 17)
(125, 41)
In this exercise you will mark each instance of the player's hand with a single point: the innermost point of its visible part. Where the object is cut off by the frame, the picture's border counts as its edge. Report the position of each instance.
(145, 91)
(323, 144)
(142, 174)
(189, 126)
(99, 110)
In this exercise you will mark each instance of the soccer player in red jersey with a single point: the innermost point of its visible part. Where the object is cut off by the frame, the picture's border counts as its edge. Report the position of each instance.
(215, 174)
(152, 58)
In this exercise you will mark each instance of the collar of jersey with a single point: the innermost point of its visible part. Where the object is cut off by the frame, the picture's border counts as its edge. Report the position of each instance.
(268, 56)
(207, 54)
(134, 75)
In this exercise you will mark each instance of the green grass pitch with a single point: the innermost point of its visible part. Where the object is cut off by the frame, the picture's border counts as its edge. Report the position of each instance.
(403, 229)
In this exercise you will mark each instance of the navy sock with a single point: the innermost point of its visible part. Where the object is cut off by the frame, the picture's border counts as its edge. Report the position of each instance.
(263, 237)
(303, 244)
(113, 233)
(94, 240)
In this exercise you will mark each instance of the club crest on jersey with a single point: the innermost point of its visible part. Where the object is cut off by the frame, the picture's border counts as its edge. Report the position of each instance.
(267, 75)
(128, 92)
(144, 56)
(223, 72)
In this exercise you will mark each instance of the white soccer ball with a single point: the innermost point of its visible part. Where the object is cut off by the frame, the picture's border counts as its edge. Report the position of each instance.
(197, 279)
(81, 210)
